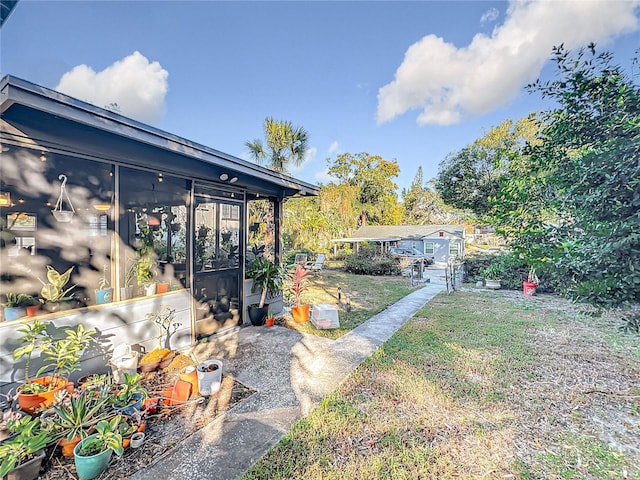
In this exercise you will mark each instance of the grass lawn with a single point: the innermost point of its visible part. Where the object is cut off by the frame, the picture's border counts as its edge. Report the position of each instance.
(479, 384)
(367, 295)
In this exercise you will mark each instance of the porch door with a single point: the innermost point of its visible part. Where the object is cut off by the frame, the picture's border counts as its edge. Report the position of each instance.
(218, 250)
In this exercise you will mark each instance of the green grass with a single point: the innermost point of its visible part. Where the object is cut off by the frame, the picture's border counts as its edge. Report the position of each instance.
(442, 400)
(368, 295)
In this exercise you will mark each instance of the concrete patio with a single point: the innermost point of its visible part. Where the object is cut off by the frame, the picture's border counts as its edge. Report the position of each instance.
(291, 373)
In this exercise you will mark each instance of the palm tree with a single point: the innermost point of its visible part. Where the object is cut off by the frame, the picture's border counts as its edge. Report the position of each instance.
(286, 145)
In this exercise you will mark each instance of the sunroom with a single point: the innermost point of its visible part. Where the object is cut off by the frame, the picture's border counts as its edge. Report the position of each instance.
(137, 219)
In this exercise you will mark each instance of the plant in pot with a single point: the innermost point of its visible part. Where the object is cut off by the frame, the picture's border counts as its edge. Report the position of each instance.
(75, 416)
(104, 293)
(492, 274)
(54, 293)
(61, 356)
(532, 282)
(267, 277)
(21, 455)
(92, 454)
(130, 396)
(144, 268)
(18, 305)
(299, 285)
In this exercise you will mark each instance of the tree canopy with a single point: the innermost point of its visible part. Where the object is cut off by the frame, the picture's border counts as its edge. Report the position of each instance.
(285, 145)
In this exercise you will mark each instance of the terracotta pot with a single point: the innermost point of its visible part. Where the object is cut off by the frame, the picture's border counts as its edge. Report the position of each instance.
(30, 403)
(190, 375)
(149, 367)
(33, 310)
(162, 287)
(178, 393)
(166, 361)
(270, 322)
(301, 313)
(67, 446)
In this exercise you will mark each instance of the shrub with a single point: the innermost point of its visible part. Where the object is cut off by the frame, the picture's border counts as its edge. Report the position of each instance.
(290, 257)
(365, 265)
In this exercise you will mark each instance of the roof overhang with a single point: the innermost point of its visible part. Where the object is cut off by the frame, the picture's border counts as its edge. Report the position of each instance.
(62, 123)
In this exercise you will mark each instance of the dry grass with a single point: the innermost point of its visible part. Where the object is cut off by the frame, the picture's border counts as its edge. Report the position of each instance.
(479, 385)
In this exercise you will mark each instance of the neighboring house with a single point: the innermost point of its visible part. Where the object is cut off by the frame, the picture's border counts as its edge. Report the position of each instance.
(85, 188)
(442, 242)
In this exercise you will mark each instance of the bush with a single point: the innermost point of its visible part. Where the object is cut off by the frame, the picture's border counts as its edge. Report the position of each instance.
(366, 265)
(515, 270)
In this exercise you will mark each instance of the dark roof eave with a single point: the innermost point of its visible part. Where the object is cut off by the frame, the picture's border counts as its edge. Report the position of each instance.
(14, 90)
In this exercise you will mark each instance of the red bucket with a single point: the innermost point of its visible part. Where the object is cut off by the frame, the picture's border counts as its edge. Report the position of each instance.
(529, 288)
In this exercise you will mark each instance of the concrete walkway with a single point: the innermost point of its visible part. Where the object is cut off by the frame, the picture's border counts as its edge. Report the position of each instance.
(291, 372)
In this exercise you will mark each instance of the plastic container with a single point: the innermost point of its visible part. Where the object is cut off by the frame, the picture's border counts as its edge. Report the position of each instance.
(325, 316)
(529, 289)
(209, 376)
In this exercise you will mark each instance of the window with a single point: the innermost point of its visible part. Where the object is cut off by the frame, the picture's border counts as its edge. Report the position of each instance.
(57, 212)
(153, 227)
(454, 249)
(429, 248)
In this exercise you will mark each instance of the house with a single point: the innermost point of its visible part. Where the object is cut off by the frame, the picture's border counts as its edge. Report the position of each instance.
(442, 242)
(150, 217)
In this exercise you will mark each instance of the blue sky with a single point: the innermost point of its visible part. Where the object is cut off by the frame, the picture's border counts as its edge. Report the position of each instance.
(410, 81)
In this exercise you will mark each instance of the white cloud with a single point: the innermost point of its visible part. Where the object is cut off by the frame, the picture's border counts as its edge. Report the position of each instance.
(324, 177)
(137, 86)
(490, 16)
(333, 148)
(449, 83)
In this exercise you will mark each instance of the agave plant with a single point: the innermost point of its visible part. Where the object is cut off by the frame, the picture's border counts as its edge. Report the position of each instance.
(76, 415)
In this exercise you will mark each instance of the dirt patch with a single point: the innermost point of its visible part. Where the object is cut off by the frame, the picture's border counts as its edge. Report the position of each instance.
(165, 429)
(587, 382)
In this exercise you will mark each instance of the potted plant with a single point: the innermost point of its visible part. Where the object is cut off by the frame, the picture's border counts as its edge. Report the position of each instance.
(530, 285)
(17, 306)
(299, 285)
(130, 396)
(104, 293)
(61, 356)
(54, 293)
(144, 271)
(271, 321)
(267, 277)
(75, 416)
(492, 274)
(21, 455)
(92, 454)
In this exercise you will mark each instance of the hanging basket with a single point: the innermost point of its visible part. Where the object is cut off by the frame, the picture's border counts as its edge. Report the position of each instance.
(59, 212)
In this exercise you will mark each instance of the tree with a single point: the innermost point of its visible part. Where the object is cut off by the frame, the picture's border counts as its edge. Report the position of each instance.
(591, 152)
(285, 145)
(372, 178)
(468, 179)
(423, 206)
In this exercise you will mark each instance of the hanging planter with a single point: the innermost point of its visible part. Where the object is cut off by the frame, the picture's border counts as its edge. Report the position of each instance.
(59, 212)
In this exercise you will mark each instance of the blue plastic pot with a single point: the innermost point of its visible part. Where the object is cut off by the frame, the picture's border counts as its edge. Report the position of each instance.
(93, 465)
(104, 296)
(14, 313)
(131, 409)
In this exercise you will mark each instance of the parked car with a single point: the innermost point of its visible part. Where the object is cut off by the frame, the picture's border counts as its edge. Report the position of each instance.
(409, 252)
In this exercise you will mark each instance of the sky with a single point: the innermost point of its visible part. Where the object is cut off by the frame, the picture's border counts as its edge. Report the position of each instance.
(408, 81)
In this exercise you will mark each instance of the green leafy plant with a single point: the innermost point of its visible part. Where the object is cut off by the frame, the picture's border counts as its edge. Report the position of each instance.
(61, 355)
(132, 385)
(64, 354)
(493, 271)
(19, 300)
(55, 291)
(77, 414)
(106, 437)
(29, 438)
(104, 283)
(267, 277)
(33, 336)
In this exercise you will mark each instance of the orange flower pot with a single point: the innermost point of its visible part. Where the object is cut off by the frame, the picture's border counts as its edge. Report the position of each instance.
(190, 375)
(68, 445)
(178, 393)
(301, 313)
(270, 322)
(31, 402)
